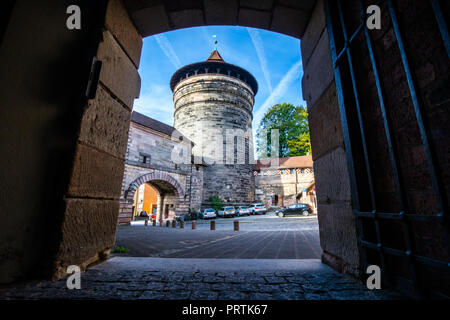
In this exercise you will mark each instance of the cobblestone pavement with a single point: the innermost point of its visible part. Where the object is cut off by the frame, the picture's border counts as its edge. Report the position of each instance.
(233, 279)
(260, 237)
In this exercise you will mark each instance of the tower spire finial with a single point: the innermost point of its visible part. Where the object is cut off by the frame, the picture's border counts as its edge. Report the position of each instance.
(215, 42)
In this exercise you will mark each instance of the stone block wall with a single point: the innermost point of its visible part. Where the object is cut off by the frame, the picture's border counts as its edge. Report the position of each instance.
(338, 237)
(186, 191)
(92, 200)
(287, 186)
(211, 109)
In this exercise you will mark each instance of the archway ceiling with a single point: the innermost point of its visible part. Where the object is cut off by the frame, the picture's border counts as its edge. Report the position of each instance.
(289, 17)
(162, 186)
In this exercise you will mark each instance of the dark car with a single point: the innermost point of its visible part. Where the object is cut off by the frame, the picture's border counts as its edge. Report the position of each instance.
(295, 209)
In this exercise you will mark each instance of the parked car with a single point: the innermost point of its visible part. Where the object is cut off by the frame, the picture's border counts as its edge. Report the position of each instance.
(257, 208)
(143, 214)
(242, 211)
(208, 213)
(226, 212)
(296, 208)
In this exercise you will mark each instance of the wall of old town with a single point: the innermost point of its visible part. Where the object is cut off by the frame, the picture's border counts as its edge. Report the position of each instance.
(289, 188)
(156, 148)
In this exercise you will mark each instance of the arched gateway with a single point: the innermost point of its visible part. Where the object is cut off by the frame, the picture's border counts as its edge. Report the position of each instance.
(170, 194)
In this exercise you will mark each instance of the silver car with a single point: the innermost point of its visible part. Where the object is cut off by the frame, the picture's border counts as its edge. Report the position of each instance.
(226, 212)
(257, 208)
(208, 213)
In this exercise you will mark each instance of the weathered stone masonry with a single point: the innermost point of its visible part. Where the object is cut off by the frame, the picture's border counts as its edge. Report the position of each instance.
(148, 160)
(213, 104)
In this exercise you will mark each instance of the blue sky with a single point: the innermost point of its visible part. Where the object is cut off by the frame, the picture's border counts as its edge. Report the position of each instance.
(272, 58)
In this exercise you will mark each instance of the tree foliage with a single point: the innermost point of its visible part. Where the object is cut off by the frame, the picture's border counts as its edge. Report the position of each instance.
(292, 124)
(216, 202)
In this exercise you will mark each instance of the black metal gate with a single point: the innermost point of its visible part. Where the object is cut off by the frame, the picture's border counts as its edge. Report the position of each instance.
(399, 245)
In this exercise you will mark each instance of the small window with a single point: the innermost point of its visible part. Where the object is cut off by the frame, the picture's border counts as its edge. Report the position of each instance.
(145, 158)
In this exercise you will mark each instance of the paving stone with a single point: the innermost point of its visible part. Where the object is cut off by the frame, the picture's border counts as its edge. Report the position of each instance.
(245, 287)
(237, 279)
(268, 288)
(316, 296)
(175, 286)
(352, 295)
(232, 295)
(199, 286)
(195, 278)
(204, 295)
(255, 280)
(172, 277)
(152, 295)
(288, 296)
(297, 279)
(291, 287)
(260, 296)
(178, 295)
(314, 288)
(221, 286)
(213, 279)
(275, 280)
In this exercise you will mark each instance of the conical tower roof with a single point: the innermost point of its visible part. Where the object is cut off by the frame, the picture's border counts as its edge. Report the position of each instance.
(214, 65)
(215, 57)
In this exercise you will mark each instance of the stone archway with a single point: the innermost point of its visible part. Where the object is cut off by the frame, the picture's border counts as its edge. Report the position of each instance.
(161, 181)
(72, 172)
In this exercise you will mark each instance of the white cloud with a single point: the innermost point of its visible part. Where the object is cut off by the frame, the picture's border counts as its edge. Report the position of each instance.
(259, 46)
(168, 50)
(280, 90)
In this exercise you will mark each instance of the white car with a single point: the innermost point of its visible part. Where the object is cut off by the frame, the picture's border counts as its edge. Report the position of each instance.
(208, 213)
(242, 211)
(257, 208)
(226, 212)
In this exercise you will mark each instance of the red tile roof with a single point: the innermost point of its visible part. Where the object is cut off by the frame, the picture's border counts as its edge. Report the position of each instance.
(287, 162)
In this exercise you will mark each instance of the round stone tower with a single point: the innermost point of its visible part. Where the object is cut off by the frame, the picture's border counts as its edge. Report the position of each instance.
(213, 108)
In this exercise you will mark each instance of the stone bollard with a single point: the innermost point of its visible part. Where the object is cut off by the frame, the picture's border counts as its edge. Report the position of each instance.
(154, 223)
(174, 223)
(146, 222)
(236, 225)
(182, 224)
(213, 225)
(167, 224)
(194, 224)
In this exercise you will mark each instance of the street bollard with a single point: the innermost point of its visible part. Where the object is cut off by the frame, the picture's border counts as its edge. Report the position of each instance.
(167, 223)
(146, 222)
(154, 223)
(182, 224)
(194, 224)
(213, 225)
(174, 223)
(236, 225)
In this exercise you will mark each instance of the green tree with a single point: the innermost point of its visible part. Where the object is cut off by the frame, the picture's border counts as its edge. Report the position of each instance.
(216, 202)
(292, 124)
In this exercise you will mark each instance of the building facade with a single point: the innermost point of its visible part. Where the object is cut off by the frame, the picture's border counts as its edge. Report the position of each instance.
(150, 169)
(290, 180)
